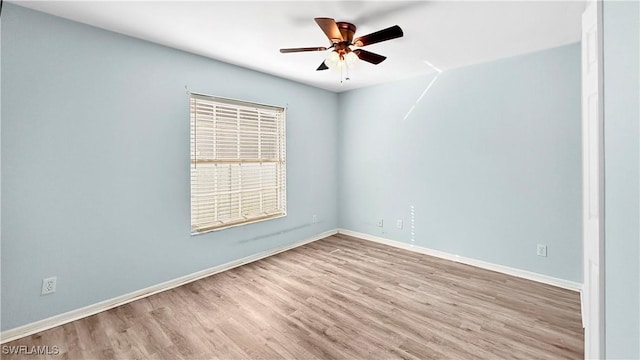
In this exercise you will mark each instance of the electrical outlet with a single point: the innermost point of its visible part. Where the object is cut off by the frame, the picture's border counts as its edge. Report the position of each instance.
(399, 224)
(380, 223)
(542, 250)
(48, 285)
(314, 219)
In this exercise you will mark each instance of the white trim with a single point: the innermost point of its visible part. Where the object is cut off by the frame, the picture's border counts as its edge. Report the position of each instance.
(582, 315)
(545, 279)
(61, 319)
(593, 181)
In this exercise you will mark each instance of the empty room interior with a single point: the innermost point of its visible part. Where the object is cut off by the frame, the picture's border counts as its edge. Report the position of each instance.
(320, 180)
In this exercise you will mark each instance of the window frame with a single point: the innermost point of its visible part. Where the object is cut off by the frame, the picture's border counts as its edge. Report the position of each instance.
(260, 129)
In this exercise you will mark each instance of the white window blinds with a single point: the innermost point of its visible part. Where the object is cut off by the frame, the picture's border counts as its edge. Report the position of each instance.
(237, 163)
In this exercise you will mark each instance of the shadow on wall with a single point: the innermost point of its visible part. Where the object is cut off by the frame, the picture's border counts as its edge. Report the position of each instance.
(281, 232)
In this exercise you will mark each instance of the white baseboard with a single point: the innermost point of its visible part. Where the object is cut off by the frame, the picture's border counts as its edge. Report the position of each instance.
(48, 323)
(566, 284)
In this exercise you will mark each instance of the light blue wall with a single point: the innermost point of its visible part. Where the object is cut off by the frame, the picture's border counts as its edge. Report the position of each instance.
(490, 158)
(95, 156)
(621, 31)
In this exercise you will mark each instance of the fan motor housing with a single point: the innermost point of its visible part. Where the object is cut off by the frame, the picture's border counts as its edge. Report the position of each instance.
(347, 30)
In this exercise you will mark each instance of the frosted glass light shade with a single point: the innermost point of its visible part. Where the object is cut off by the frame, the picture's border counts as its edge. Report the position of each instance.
(332, 60)
(351, 59)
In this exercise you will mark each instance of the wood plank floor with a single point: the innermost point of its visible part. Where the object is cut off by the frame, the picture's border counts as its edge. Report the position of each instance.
(336, 298)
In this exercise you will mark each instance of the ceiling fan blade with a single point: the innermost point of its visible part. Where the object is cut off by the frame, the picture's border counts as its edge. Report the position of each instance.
(368, 56)
(322, 66)
(378, 36)
(330, 29)
(293, 50)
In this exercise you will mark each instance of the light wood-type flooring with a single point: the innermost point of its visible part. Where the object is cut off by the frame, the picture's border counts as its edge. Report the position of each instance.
(336, 298)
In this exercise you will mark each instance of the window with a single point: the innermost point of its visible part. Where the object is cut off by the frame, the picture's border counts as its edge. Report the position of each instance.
(237, 163)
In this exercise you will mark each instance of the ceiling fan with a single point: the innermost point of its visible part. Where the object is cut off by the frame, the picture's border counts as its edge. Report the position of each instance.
(341, 36)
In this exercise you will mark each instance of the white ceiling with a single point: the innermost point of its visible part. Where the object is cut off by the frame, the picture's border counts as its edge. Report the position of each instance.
(447, 34)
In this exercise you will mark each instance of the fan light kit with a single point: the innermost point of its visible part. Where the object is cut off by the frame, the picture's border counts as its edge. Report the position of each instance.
(346, 52)
(337, 61)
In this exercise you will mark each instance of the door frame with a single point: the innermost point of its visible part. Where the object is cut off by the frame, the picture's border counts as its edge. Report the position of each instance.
(594, 316)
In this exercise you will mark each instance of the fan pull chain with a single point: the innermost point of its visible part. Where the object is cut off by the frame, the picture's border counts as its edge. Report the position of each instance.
(344, 78)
